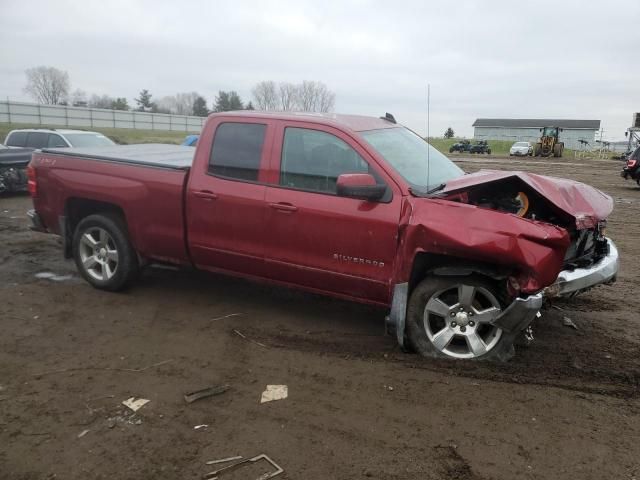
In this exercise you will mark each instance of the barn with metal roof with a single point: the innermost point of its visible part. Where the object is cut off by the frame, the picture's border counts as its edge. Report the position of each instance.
(528, 130)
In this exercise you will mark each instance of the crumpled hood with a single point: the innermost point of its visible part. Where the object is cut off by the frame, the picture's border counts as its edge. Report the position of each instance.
(586, 204)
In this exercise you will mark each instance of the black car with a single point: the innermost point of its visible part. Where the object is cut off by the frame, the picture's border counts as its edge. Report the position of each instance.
(461, 146)
(632, 167)
(13, 168)
(481, 146)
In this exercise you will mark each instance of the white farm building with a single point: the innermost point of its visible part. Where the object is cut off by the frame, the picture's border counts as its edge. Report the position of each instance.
(528, 130)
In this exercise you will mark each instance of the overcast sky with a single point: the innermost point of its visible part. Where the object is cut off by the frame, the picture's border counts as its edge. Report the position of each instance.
(507, 59)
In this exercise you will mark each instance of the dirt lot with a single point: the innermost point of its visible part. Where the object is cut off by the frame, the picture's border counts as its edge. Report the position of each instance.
(566, 407)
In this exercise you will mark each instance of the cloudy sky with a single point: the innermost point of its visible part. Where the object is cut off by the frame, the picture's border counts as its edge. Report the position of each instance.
(507, 59)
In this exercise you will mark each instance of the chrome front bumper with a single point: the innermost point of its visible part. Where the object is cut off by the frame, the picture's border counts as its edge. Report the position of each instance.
(517, 316)
(571, 282)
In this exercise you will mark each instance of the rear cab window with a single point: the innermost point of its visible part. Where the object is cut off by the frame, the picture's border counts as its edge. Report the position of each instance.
(237, 151)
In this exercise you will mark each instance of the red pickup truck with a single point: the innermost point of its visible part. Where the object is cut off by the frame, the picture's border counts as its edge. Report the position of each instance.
(350, 206)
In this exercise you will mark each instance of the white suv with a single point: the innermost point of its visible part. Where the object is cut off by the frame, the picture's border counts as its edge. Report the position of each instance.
(54, 138)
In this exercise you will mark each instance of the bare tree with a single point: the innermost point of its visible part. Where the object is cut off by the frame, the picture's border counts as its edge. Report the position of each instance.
(315, 97)
(101, 101)
(326, 99)
(288, 96)
(265, 96)
(179, 104)
(47, 84)
(307, 96)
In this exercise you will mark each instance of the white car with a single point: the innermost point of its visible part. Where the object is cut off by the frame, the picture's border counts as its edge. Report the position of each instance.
(521, 148)
(55, 138)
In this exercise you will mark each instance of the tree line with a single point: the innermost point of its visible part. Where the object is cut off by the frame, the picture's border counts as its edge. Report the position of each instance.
(51, 86)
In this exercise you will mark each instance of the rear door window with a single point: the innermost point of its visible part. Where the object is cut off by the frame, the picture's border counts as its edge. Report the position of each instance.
(37, 139)
(17, 139)
(237, 149)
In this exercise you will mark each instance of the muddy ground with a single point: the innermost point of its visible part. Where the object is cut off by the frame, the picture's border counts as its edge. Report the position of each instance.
(566, 407)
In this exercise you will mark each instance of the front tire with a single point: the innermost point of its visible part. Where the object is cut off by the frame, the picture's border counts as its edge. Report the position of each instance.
(450, 317)
(103, 253)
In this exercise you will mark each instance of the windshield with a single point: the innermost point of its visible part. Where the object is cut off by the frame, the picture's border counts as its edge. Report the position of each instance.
(521, 144)
(88, 140)
(550, 132)
(407, 153)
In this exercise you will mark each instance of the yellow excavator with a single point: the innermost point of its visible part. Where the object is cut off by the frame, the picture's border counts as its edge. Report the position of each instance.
(549, 143)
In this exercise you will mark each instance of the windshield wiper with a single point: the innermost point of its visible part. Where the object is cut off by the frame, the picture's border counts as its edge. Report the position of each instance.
(421, 193)
(436, 189)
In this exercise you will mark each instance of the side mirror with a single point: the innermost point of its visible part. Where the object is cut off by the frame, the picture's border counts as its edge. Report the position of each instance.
(359, 185)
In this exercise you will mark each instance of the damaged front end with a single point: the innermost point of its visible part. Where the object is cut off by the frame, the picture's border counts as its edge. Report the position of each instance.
(590, 259)
(533, 235)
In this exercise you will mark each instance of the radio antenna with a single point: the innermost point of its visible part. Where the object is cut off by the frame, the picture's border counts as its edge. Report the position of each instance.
(428, 133)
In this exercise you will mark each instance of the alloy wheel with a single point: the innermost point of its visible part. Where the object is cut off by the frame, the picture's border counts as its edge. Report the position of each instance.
(98, 254)
(459, 321)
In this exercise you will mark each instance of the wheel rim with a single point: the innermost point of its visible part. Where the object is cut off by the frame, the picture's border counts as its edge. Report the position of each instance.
(458, 321)
(98, 254)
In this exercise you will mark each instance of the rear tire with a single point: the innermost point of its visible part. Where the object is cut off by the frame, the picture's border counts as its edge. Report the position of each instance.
(449, 317)
(103, 253)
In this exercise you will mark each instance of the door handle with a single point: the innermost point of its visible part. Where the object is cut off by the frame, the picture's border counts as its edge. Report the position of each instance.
(284, 207)
(206, 194)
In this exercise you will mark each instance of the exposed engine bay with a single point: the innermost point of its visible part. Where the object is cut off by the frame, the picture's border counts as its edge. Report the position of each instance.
(513, 195)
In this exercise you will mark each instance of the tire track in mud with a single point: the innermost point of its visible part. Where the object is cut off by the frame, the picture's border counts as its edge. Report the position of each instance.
(544, 364)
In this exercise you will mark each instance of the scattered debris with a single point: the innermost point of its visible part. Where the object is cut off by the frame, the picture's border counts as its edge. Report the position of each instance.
(567, 322)
(114, 369)
(227, 316)
(528, 335)
(83, 433)
(199, 427)
(135, 404)
(53, 276)
(126, 417)
(223, 460)
(557, 308)
(240, 334)
(100, 398)
(205, 392)
(274, 392)
(265, 476)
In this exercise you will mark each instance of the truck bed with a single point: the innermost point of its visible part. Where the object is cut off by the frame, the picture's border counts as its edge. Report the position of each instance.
(150, 154)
